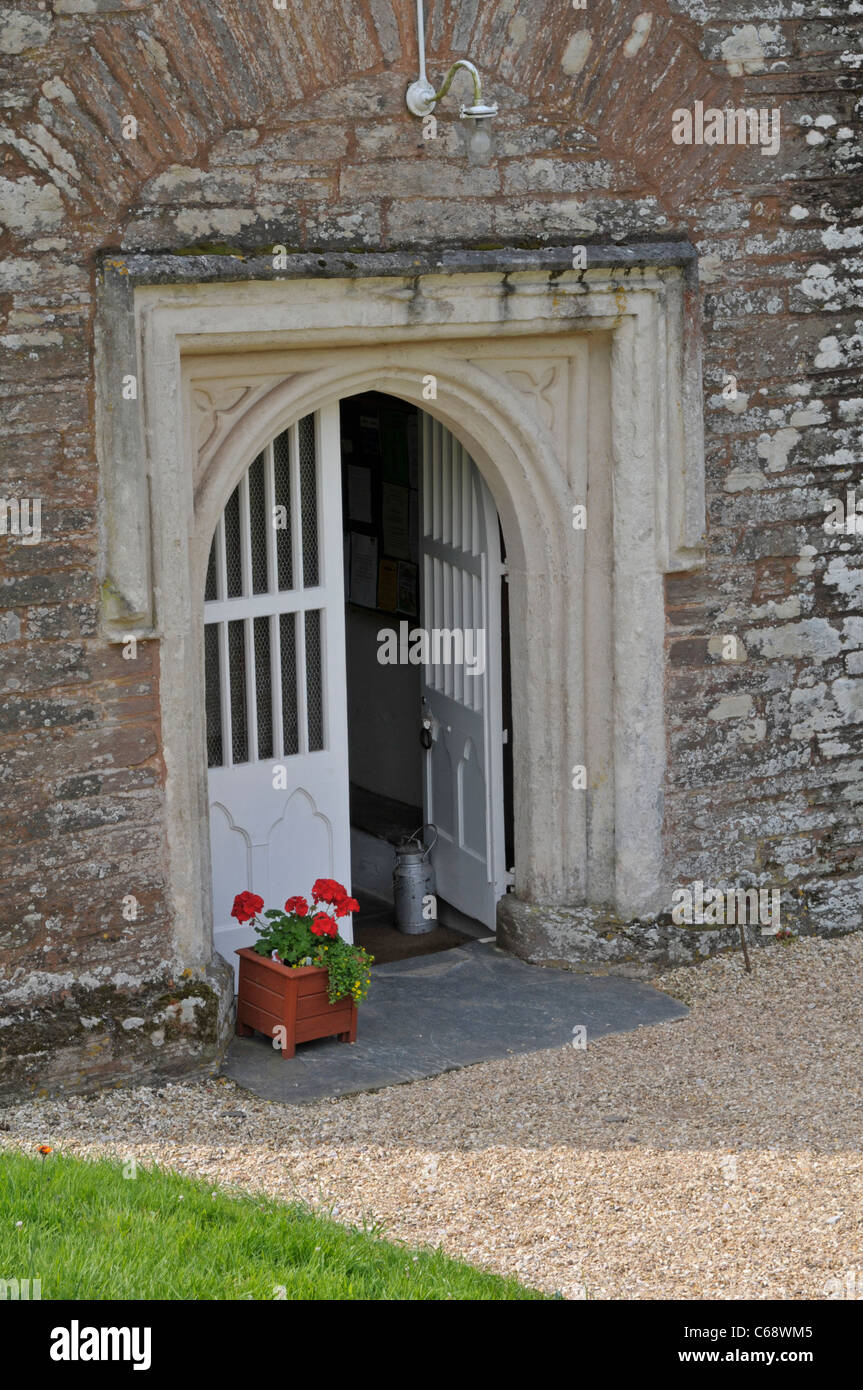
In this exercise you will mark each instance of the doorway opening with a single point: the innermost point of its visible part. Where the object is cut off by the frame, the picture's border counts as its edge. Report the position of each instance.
(357, 675)
(426, 635)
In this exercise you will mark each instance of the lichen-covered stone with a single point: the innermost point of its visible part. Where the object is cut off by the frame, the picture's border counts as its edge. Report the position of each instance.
(85, 1035)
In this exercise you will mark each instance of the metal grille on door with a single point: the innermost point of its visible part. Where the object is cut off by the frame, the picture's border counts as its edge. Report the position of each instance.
(262, 639)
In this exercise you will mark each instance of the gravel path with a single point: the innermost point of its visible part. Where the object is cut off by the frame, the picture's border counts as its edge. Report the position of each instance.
(718, 1156)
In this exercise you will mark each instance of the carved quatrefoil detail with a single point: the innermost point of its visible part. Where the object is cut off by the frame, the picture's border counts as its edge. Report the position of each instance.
(537, 386)
(213, 403)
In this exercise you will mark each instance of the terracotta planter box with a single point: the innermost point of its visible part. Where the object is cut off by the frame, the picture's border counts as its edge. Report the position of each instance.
(272, 995)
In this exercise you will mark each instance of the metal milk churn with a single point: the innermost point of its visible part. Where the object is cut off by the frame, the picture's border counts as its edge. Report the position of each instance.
(413, 882)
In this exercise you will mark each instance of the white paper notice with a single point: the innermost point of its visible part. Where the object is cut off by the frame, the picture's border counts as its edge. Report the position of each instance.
(413, 451)
(364, 570)
(359, 493)
(396, 521)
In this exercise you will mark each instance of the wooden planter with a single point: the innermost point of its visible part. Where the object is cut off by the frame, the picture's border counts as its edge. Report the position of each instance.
(272, 995)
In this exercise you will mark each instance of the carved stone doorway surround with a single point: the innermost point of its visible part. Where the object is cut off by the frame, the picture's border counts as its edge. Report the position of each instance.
(568, 388)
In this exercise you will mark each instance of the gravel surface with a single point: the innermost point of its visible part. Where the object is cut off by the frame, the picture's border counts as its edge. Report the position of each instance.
(718, 1156)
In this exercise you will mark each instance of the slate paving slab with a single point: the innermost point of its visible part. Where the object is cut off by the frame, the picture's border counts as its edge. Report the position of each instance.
(431, 1014)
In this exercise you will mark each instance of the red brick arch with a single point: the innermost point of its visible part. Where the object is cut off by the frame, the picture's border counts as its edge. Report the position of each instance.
(191, 72)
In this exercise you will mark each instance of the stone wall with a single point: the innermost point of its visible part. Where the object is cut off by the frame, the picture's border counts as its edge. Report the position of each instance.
(227, 126)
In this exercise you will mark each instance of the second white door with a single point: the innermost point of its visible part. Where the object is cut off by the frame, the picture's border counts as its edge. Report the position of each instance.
(461, 573)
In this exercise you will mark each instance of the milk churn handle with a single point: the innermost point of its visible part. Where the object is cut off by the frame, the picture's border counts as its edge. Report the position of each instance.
(416, 833)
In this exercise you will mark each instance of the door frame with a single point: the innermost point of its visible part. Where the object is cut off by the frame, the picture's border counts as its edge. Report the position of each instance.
(565, 387)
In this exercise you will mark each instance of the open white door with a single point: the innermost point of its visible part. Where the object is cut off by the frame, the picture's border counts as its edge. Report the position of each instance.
(463, 769)
(274, 640)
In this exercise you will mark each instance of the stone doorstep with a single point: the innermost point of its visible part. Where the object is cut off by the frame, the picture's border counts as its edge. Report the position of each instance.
(433, 1014)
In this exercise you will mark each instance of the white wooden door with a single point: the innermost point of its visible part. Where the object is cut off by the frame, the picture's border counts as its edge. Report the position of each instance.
(274, 646)
(463, 769)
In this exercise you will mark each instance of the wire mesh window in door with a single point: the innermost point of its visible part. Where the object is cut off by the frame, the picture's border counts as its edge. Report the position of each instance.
(258, 526)
(314, 681)
(290, 710)
(263, 687)
(264, 653)
(309, 495)
(213, 696)
(282, 517)
(237, 666)
(233, 556)
(211, 591)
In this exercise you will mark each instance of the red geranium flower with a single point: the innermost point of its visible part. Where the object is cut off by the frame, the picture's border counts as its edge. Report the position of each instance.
(322, 925)
(346, 906)
(298, 905)
(245, 906)
(327, 890)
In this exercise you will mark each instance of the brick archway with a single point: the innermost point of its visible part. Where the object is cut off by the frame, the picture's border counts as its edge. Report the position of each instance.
(200, 85)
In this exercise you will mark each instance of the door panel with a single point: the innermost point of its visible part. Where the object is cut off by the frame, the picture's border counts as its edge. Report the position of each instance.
(274, 652)
(463, 769)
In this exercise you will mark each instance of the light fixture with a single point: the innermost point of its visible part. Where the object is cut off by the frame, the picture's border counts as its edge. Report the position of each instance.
(422, 98)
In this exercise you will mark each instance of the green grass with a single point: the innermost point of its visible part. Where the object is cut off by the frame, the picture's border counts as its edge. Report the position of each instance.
(88, 1232)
